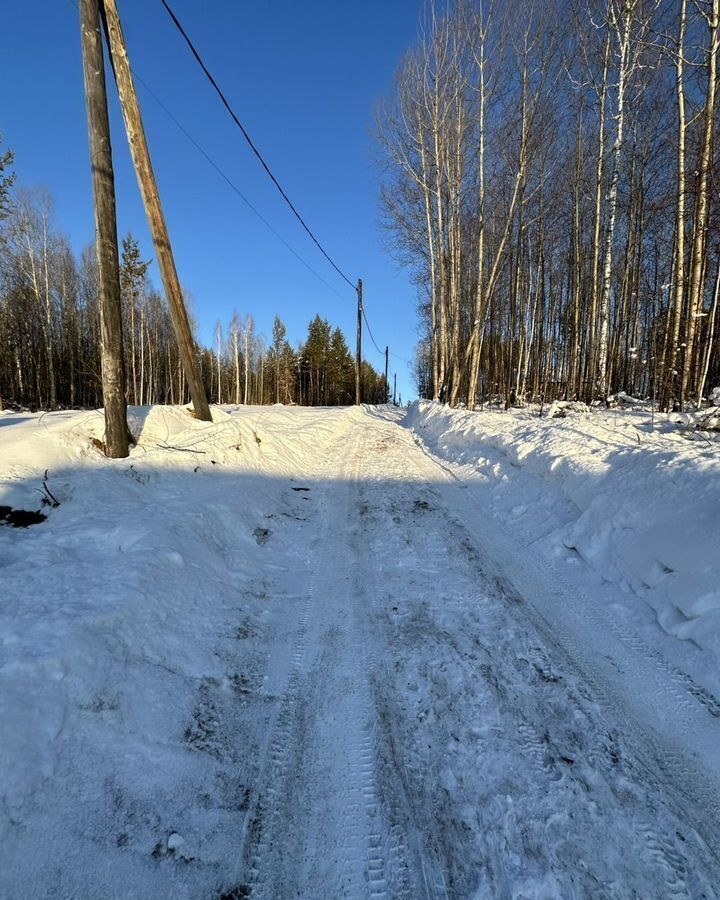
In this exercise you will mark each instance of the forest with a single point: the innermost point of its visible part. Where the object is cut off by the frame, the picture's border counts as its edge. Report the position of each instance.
(550, 175)
(50, 330)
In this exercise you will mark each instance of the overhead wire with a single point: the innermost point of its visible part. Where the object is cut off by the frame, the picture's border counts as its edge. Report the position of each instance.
(264, 164)
(250, 142)
(369, 331)
(226, 178)
(234, 187)
(237, 190)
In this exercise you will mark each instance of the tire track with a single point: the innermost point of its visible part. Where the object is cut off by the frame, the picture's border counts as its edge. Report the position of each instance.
(682, 775)
(318, 825)
(578, 758)
(263, 815)
(415, 873)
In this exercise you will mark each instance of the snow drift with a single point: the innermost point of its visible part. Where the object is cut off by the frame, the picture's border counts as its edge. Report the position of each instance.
(637, 503)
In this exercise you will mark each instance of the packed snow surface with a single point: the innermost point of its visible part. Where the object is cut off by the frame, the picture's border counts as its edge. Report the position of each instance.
(354, 653)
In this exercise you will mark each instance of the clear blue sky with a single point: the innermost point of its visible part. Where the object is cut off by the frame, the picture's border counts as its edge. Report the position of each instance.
(304, 78)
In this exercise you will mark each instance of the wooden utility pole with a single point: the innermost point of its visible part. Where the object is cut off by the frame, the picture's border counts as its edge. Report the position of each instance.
(387, 386)
(106, 245)
(151, 199)
(358, 349)
(394, 388)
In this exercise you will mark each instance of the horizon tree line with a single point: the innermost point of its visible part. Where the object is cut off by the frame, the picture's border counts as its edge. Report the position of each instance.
(50, 331)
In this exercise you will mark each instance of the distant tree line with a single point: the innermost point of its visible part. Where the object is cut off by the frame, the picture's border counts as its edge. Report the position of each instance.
(551, 175)
(50, 331)
(242, 368)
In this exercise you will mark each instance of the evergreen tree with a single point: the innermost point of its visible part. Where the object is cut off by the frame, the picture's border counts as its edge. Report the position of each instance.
(315, 358)
(278, 345)
(133, 271)
(288, 368)
(341, 371)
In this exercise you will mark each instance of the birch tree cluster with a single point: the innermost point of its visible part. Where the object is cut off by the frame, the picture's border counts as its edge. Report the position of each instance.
(50, 318)
(550, 173)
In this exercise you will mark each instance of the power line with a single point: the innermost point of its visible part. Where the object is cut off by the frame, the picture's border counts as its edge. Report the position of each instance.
(382, 352)
(265, 166)
(237, 190)
(234, 187)
(250, 206)
(404, 359)
(250, 142)
(369, 331)
(222, 174)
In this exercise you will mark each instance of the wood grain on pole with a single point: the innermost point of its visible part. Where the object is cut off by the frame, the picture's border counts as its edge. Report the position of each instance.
(111, 338)
(151, 199)
(358, 348)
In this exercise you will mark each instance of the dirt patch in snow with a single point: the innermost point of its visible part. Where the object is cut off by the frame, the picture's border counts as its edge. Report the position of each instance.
(20, 518)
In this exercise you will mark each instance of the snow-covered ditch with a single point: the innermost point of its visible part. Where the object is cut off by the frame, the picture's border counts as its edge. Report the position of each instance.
(127, 621)
(633, 499)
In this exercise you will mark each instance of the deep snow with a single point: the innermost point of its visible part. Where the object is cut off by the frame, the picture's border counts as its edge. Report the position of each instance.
(636, 502)
(348, 653)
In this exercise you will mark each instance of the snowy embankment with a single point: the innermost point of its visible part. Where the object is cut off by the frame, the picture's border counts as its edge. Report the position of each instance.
(120, 618)
(639, 505)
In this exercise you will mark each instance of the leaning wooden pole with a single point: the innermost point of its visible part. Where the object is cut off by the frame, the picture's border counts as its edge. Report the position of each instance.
(151, 199)
(106, 245)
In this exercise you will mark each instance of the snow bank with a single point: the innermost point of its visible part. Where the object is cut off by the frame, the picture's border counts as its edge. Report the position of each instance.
(639, 506)
(119, 617)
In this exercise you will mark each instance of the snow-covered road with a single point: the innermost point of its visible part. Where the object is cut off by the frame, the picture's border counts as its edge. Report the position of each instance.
(382, 694)
(437, 738)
